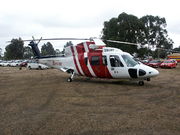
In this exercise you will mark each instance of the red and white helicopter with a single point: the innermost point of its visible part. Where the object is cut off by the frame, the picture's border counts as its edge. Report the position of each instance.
(93, 59)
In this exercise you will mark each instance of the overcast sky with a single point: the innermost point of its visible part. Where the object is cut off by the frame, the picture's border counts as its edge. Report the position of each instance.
(77, 18)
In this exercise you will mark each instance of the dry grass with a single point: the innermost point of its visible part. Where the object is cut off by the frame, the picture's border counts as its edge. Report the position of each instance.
(42, 102)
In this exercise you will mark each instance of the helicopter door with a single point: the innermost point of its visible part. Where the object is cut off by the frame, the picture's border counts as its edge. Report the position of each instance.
(117, 68)
(99, 66)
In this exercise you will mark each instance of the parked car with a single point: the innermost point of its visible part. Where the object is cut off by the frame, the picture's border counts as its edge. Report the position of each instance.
(145, 62)
(35, 65)
(175, 61)
(154, 63)
(4, 63)
(15, 63)
(24, 63)
(1, 63)
(168, 64)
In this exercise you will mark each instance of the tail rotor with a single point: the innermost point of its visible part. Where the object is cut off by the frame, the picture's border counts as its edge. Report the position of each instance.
(35, 48)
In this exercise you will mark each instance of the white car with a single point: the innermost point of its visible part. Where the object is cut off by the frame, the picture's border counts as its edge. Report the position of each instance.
(1, 63)
(15, 63)
(4, 63)
(35, 65)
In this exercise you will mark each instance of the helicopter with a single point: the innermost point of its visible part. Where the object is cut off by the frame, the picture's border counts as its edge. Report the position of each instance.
(92, 58)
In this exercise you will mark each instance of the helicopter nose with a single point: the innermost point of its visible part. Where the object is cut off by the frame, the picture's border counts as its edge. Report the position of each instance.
(153, 72)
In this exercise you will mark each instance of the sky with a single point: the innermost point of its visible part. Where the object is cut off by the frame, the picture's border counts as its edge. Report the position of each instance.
(77, 18)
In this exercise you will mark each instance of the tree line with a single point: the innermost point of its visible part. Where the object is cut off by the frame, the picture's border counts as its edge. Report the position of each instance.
(17, 50)
(147, 30)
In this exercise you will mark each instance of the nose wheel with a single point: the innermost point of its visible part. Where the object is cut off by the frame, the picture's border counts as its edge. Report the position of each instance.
(141, 83)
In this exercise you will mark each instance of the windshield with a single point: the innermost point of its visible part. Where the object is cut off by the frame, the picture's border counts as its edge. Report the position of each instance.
(129, 61)
(154, 61)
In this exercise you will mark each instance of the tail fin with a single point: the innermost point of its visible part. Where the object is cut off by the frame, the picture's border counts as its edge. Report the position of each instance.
(35, 49)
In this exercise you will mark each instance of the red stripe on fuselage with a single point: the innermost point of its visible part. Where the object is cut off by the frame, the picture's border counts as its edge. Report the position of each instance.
(81, 50)
(100, 70)
(108, 75)
(72, 49)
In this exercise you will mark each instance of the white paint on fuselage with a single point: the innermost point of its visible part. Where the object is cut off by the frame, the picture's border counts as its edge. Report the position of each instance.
(122, 72)
(150, 72)
(59, 62)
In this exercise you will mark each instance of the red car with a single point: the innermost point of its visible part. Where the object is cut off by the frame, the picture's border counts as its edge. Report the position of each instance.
(24, 64)
(145, 62)
(168, 64)
(154, 63)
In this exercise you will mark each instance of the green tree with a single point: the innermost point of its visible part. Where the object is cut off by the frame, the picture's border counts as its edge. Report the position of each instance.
(155, 33)
(27, 52)
(142, 52)
(0, 52)
(15, 49)
(69, 43)
(47, 49)
(149, 30)
(177, 49)
(57, 52)
(160, 53)
(125, 28)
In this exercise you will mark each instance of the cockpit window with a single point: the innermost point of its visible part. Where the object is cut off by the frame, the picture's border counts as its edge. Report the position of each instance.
(115, 61)
(130, 62)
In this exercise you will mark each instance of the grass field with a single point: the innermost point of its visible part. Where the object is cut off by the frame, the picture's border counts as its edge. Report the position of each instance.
(41, 102)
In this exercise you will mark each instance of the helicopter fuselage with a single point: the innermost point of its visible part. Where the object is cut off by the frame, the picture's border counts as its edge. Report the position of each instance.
(87, 59)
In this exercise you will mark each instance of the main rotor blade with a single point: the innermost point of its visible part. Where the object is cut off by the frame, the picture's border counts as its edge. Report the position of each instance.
(58, 39)
(121, 42)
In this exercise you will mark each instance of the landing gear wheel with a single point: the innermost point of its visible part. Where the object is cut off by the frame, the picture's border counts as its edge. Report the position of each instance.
(71, 77)
(69, 80)
(29, 67)
(40, 68)
(141, 83)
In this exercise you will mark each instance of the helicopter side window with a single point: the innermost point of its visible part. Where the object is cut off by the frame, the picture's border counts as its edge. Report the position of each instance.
(115, 61)
(95, 60)
(104, 59)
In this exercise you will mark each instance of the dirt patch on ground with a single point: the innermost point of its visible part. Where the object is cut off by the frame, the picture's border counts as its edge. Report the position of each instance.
(42, 102)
